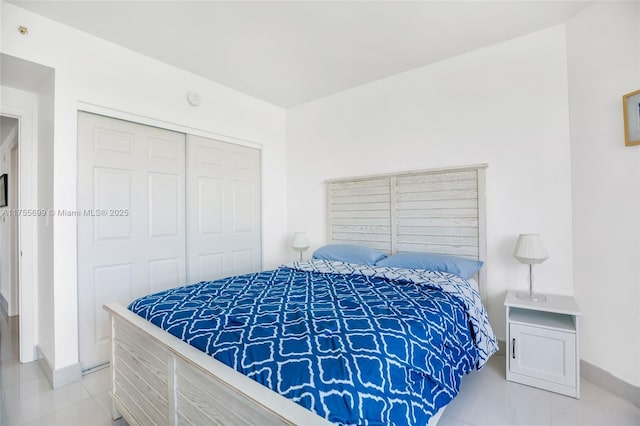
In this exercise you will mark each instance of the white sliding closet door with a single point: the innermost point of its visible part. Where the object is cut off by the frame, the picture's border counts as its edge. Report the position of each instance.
(223, 199)
(133, 176)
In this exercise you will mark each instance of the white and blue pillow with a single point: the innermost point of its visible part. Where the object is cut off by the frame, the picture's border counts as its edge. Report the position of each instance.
(349, 254)
(460, 266)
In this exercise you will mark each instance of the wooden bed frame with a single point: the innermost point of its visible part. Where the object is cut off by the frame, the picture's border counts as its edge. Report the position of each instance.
(435, 211)
(159, 379)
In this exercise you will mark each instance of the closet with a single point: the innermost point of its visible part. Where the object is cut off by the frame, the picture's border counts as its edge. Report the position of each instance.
(157, 209)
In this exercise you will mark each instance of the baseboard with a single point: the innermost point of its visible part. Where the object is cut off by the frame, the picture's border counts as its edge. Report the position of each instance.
(62, 376)
(600, 377)
(44, 365)
(608, 381)
(4, 305)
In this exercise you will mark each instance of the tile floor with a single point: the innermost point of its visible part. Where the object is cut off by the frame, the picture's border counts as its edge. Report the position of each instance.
(486, 398)
(26, 397)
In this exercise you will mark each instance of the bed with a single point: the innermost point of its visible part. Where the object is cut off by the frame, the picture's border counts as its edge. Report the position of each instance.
(328, 336)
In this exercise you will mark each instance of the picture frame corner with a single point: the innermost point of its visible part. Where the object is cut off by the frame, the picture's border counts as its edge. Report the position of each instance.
(631, 115)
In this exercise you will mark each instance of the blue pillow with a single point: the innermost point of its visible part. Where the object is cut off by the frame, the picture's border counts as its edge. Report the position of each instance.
(460, 266)
(350, 254)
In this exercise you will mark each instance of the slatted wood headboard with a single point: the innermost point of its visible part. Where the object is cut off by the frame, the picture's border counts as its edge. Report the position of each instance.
(437, 211)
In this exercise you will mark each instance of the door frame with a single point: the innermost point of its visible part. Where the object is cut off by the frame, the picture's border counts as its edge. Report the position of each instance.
(27, 235)
(163, 124)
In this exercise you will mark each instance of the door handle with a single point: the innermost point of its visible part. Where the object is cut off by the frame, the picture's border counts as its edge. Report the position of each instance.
(513, 348)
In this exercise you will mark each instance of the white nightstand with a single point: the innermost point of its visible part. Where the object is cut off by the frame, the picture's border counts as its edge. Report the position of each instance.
(542, 343)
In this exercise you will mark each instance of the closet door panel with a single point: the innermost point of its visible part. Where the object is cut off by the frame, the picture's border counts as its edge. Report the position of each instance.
(209, 265)
(112, 190)
(166, 204)
(242, 261)
(131, 221)
(165, 273)
(223, 189)
(111, 282)
(210, 195)
(157, 212)
(243, 210)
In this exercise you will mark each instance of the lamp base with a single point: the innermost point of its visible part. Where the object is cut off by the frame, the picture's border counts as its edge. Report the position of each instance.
(533, 297)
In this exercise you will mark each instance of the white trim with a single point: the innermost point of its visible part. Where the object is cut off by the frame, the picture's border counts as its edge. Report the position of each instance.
(412, 172)
(163, 124)
(62, 376)
(4, 305)
(44, 365)
(608, 381)
(67, 375)
(27, 235)
(597, 376)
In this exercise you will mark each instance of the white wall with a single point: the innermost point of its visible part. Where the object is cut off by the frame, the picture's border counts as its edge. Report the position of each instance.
(47, 302)
(505, 105)
(96, 72)
(603, 47)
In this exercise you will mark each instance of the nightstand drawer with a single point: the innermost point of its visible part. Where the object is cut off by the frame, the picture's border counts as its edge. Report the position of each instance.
(543, 353)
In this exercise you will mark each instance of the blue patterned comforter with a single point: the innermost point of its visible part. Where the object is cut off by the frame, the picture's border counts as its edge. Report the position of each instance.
(355, 344)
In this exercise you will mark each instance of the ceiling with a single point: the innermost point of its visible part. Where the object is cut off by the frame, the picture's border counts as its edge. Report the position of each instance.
(292, 52)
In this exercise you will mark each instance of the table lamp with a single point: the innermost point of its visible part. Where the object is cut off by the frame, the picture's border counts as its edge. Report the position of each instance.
(300, 242)
(530, 250)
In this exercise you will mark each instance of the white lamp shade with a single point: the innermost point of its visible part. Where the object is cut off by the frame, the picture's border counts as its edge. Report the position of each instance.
(300, 241)
(530, 249)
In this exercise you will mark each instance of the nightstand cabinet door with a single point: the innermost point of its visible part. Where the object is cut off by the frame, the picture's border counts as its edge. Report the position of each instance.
(543, 353)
